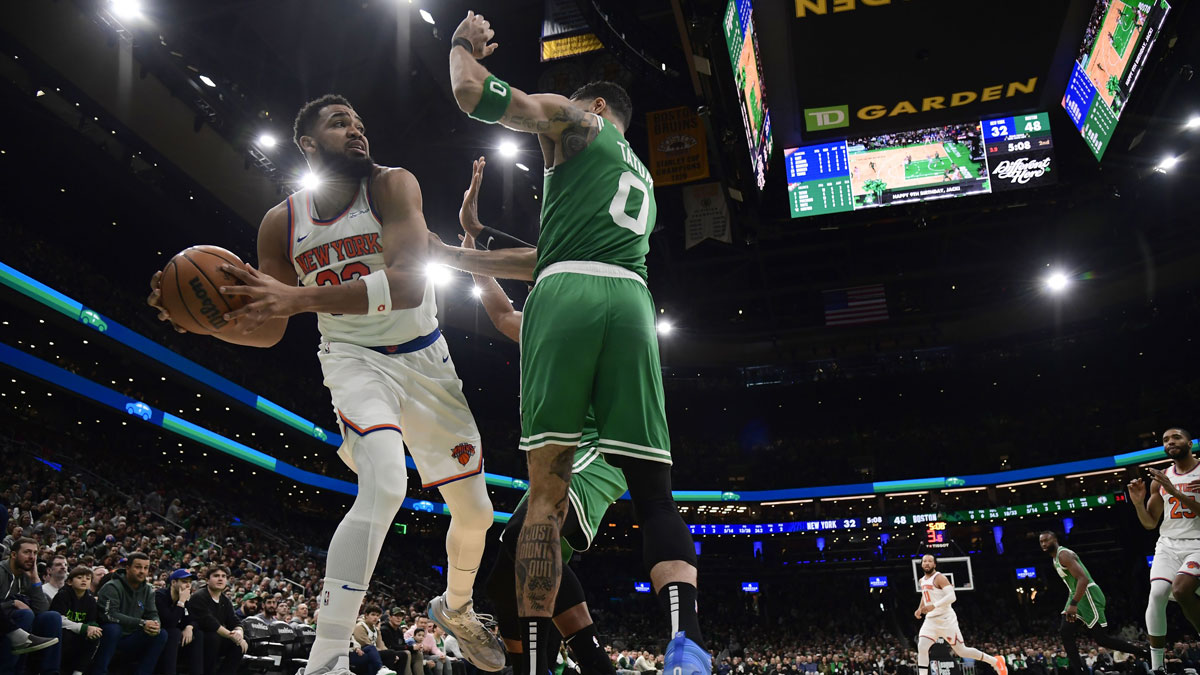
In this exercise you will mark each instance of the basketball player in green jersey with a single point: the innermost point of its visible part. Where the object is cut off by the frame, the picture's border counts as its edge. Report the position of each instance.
(1084, 611)
(588, 336)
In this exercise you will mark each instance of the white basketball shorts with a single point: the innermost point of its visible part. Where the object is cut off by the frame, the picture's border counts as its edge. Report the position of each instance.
(417, 394)
(944, 626)
(1175, 556)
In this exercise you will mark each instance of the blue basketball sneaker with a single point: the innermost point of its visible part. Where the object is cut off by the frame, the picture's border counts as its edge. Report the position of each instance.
(685, 657)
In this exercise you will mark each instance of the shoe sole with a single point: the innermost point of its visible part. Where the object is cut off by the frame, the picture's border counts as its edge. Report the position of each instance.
(35, 648)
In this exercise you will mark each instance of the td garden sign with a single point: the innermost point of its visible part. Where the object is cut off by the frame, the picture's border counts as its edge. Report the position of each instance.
(834, 117)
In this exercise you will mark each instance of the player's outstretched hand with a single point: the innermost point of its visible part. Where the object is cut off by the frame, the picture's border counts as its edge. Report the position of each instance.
(268, 298)
(155, 301)
(1162, 479)
(468, 213)
(1137, 490)
(466, 241)
(478, 31)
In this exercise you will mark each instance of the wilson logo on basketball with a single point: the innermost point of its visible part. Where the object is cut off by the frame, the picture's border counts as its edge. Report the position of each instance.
(463, 452)
(207, 307)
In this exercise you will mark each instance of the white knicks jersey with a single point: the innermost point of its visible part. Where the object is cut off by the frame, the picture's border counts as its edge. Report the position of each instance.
(931, 594)
(342, 249)
(1178, 521)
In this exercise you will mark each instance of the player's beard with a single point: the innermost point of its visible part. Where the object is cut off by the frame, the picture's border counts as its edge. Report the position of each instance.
(340, 164)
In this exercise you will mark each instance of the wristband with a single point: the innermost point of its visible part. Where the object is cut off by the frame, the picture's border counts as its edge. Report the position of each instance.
(36, 584)
(493, 101)
(464, 43)
(1074, 603)
(379, 295)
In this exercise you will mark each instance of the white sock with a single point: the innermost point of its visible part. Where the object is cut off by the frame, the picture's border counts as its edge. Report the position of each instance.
(470, 518)
(340, 601)
(18, 637)
(1156, 657)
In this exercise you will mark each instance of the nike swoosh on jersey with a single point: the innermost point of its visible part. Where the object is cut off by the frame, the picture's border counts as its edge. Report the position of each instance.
(350, 588)
(300, 239)
(445, 359)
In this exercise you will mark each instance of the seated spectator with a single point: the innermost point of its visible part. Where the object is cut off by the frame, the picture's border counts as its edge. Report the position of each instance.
(218, 642)
(449, 644)
(283, 612)
(424, 648)
(26, 609)
(301, 615)
(129, 618)
(98, 574)
(249, 606)
(56, 576)
(80, 620)
(644, 664)
(369, 650)
(392, 633)
(171, 602)
(269, 605)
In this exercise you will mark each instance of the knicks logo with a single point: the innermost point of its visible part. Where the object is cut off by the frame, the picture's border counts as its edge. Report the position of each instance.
(463, 452)
(1192, 564)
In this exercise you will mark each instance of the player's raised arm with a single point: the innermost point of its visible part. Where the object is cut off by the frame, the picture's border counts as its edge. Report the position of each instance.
(487, 98)
(1148, 511)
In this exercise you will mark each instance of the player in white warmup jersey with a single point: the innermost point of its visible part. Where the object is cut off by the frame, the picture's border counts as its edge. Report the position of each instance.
(356, 245)
(1176, 502)
(937, 594)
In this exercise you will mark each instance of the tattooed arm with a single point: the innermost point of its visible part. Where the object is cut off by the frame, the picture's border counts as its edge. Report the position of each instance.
(554, 118)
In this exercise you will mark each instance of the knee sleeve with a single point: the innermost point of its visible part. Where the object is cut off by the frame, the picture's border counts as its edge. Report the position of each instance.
(382, 482)
(664, 534)
(570, 591)
(1156, 607)
(923, 652)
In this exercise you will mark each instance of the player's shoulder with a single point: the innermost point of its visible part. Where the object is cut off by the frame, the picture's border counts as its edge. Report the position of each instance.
(387, 184)
(277, 216)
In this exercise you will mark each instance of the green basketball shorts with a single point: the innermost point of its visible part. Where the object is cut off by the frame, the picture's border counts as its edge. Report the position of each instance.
(588, 339)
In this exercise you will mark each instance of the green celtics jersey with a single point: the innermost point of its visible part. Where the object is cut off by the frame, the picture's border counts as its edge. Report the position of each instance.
(1066, 575)
(598, 206)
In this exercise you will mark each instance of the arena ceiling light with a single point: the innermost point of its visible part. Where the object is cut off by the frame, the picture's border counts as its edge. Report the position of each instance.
(665, 327)
(1166, 164)
(427, 17)
(508, 149)
(476, 291)
(207, 80)
(266, 141)
(127, 9)
(1193, 122)
(1057, 282)
(522, 166)
(440, 275)
(310, 181)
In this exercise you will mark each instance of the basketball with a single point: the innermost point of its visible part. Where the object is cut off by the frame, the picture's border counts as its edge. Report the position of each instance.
(190, 288)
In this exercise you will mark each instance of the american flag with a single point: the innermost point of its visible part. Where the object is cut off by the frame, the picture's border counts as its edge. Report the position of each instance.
(858, 305)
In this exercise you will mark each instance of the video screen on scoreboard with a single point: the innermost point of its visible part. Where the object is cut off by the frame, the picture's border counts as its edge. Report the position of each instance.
(1116, 44)
(877, 582)
(1026, 572)
(742, 42)
(952, 160)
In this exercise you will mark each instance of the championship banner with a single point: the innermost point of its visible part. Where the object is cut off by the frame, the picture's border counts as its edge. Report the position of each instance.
(678, 146)
(707, 214)
(565, 32)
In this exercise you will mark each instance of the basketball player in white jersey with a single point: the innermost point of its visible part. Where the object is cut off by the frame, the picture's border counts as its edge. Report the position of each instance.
(937, 594)
(355, 246)
(1176, 502)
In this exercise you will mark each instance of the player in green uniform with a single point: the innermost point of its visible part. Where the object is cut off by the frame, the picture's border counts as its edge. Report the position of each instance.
(595, 485)
(588, 339)
(1084, 611)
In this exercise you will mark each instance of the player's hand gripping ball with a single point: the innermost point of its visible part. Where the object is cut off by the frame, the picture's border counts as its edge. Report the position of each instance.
(187, 291)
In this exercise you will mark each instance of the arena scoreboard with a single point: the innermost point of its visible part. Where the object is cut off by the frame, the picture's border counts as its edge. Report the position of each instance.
(1116, 43)
(750, 586)
(991, 155)
(742, 42)
(1034, 509)
(877, 582)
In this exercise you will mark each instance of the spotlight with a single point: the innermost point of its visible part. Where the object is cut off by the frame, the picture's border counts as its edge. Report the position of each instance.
(1166, 164)
(127, 9)
(476, 291)
(39, 93)
(310, 181)
(266, 141)
(207, 80)
(508, 149)
(522, 167)
(1057, 282)
(1193, 122)
(439, 274)
(427, 16)
(665, 327)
